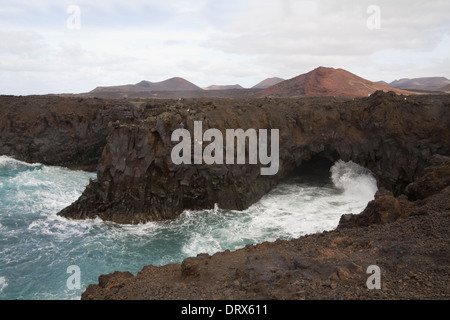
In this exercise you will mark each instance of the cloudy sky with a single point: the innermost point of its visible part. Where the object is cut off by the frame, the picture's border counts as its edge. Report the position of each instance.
(59, 46)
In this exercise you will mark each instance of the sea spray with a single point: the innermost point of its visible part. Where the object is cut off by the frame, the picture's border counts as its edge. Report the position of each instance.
(37, 246)
(3, 283)
(357, 182)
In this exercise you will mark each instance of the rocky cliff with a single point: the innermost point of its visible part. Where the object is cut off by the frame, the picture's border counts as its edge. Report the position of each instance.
(60, 131)
(404, 141)
(389, 134)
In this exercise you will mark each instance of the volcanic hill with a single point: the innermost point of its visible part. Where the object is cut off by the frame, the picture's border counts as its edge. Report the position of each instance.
(325, 81)
(425, 83)
(267, 83)
(445, 89)
(172, 84)
(224, 87)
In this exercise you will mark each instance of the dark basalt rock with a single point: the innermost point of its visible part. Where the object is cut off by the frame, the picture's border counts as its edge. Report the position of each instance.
(391, 135)
(52, 130)
(129, 144)
(435, 178)
(422, 196)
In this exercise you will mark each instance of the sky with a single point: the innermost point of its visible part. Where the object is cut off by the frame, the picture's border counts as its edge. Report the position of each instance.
(70, 46)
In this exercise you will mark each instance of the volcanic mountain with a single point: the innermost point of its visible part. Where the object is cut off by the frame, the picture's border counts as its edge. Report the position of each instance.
(425, 83)
(324, 81)
(445, 89)
(267, 83)
(224, 87)
(172, 84)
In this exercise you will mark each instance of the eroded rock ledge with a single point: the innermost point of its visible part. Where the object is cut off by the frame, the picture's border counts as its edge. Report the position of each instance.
(391, 135)
(52, 130)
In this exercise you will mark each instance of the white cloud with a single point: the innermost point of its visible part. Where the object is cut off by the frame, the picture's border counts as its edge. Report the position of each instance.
(220, 42)
(21, 43)
(324, 28)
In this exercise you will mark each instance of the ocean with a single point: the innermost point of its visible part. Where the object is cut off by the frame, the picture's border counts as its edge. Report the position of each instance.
(38, 249)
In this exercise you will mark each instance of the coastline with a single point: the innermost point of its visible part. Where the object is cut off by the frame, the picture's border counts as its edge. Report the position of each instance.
(403, 141)
(411, 251)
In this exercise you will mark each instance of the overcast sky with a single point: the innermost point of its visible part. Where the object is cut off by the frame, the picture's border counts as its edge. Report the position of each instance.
(59, 46)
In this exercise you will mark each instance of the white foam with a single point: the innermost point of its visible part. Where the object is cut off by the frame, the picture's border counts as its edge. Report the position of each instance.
(202, 243)
(11, 163)
(289, 211)
(61, 228)
(356, 182)
(3, 283)
(45, 189)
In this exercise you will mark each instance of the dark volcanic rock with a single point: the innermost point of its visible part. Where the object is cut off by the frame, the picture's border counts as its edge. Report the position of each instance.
(58, 131)
(426, 194)
(436, 177)
(404, 141)
(384, 209)
(391, 135)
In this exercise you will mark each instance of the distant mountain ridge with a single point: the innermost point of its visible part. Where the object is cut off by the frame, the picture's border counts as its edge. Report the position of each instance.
(425, 83)
(445, 88)
(267, 83)
(384, 83)
(224, 87)
(324, 81)
(172, 84)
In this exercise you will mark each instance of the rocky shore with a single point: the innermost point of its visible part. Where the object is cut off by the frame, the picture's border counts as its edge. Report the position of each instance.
(403, 140)
(406, 237)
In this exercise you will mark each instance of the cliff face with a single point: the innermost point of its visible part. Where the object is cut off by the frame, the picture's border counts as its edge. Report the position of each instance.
(130, 145)
(391, 135)
(58, 131)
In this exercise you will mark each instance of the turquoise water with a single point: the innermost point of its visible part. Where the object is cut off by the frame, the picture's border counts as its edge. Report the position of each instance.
(37, 246)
